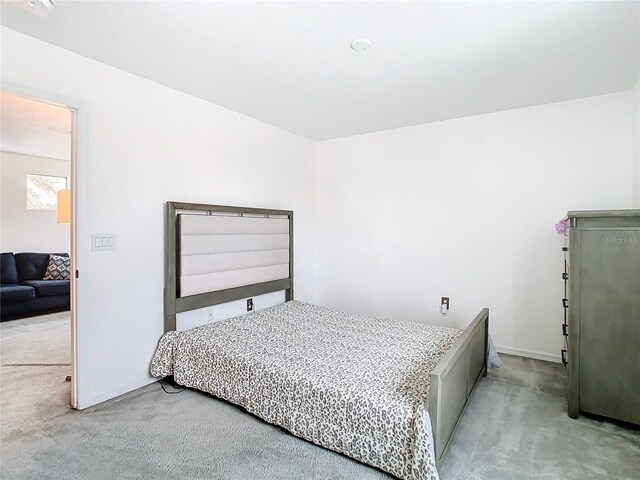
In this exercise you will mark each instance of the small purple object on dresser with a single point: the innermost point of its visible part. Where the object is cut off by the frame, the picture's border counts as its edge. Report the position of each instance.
(561, 226)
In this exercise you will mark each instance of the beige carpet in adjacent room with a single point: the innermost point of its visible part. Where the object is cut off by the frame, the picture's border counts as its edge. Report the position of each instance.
(35, 360)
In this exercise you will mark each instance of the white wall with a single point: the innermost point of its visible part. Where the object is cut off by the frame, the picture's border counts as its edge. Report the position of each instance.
(143, 144)
(635, 125)
(466, 209)
(23, 230)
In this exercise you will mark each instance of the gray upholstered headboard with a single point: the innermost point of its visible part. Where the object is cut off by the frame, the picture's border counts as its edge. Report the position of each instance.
(216, 254)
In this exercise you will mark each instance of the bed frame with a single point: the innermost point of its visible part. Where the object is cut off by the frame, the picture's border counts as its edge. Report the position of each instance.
(453, 380)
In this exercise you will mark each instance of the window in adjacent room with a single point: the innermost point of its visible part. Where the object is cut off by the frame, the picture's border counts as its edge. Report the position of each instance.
(42, 191)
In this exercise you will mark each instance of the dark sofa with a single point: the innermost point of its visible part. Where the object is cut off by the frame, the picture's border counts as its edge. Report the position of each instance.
(24, 293)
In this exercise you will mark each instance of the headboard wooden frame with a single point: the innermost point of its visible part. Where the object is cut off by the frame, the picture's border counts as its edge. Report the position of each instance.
(173, 302)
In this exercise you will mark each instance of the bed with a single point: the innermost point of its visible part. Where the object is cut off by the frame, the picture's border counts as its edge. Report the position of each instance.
(385, 392)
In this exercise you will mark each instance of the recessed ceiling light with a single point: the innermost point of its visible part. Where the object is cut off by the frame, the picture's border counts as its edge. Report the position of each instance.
(48, 4)
(361, 44)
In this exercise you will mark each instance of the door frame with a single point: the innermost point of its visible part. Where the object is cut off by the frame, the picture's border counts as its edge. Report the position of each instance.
(76, 174)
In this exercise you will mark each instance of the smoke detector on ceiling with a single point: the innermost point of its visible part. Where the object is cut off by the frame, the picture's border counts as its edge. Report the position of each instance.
(48, 4)
(361, 44)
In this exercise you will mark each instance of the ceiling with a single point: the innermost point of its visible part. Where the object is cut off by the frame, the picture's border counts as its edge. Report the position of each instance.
(289, 63)
(34, 128)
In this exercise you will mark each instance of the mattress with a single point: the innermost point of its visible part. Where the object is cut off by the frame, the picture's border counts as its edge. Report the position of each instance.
(354, 384)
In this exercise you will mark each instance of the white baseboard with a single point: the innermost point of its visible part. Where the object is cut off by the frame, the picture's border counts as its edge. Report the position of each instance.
(548, 357)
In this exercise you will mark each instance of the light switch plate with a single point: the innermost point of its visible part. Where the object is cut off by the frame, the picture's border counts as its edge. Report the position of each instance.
(103, 242)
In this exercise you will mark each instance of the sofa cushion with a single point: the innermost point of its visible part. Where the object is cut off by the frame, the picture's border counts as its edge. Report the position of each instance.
(33, 266)
(49, 288)
(9, 273)
(16, 293)
(59, 268)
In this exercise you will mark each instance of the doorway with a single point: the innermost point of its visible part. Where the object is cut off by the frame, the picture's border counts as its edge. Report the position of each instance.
(37, 241)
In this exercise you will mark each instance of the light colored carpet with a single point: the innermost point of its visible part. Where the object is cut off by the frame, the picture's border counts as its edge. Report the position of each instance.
(43, 339)
(515, 428)
(35, 360)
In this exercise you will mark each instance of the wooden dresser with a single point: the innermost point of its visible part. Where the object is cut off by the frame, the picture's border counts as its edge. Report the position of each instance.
(602, 313)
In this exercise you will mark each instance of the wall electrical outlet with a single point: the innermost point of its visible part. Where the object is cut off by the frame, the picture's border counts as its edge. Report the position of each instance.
(249, 304)
(210, 314)
(444, 305)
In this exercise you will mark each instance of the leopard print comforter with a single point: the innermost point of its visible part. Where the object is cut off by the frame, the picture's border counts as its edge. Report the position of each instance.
(353, 384)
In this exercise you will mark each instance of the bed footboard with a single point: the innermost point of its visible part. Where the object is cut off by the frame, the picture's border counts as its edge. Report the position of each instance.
(454, 379)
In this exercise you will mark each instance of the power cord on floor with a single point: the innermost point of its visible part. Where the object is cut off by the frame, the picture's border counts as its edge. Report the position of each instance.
(174, 386)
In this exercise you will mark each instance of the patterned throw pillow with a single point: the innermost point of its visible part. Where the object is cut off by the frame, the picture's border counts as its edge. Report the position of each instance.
(59, 268)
